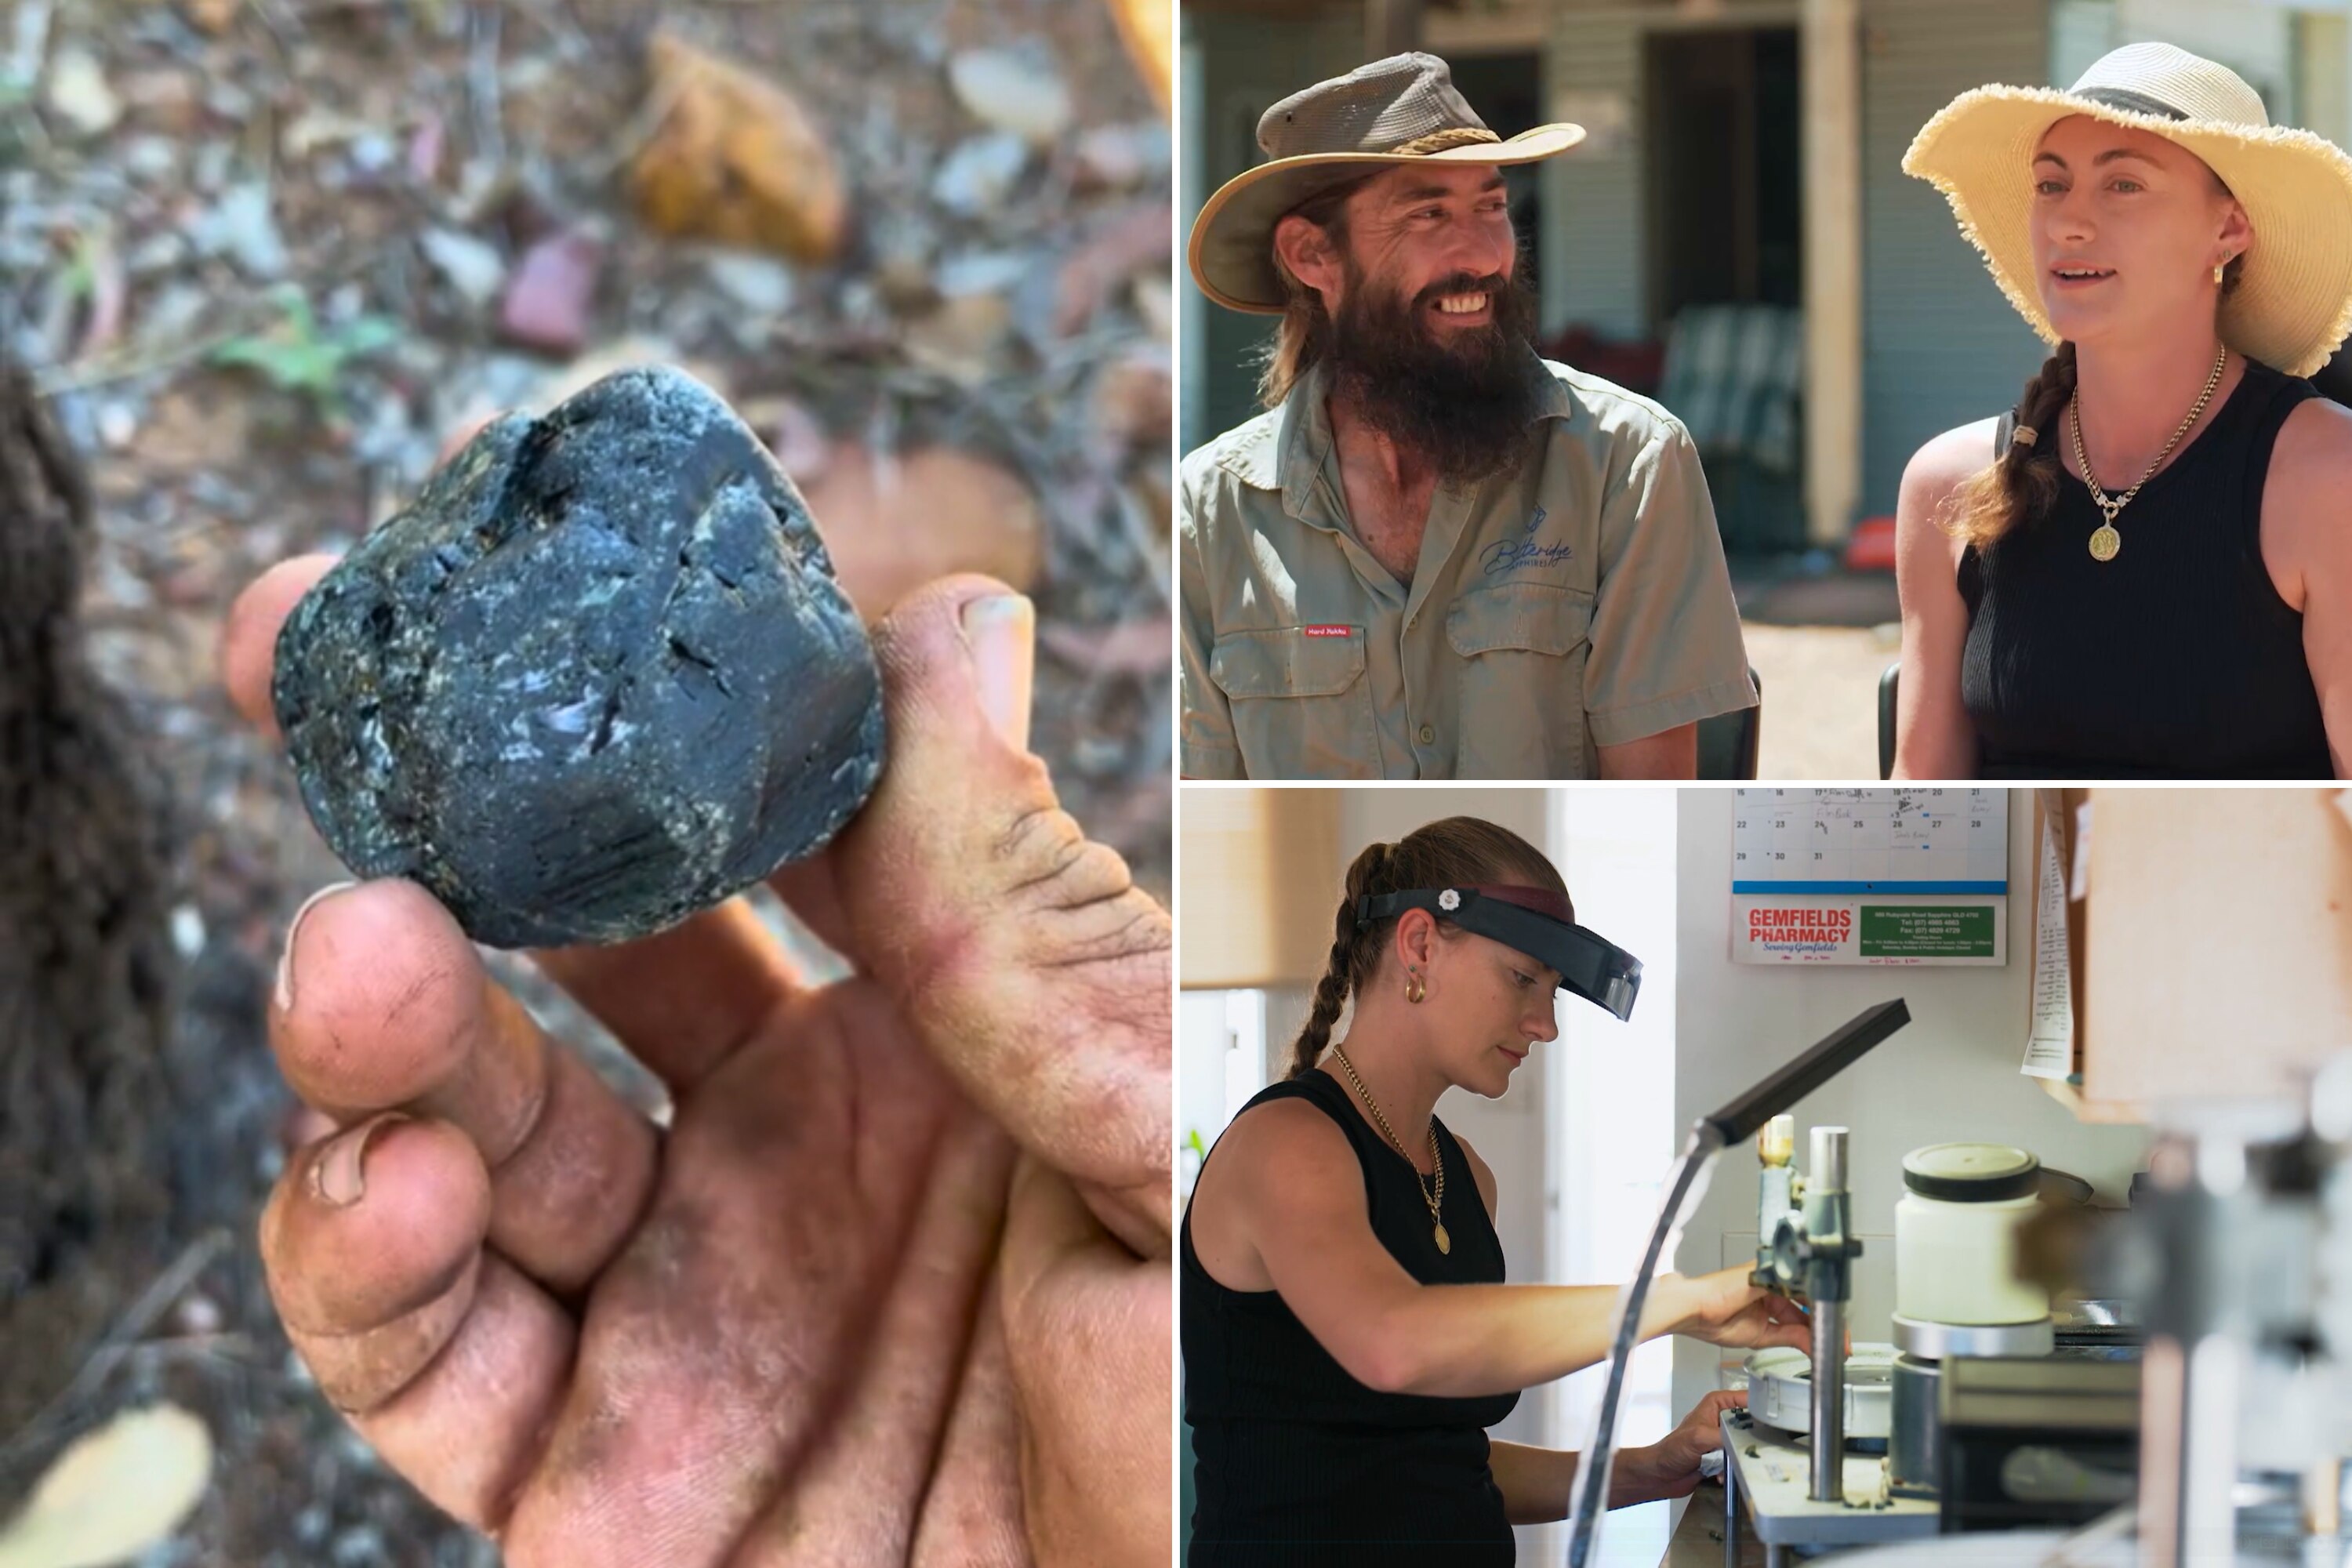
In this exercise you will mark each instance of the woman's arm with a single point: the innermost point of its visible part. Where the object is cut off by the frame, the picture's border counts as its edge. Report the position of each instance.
(1291, 1198)
(2308, 550)
(1933, 738)
(1535, 1483)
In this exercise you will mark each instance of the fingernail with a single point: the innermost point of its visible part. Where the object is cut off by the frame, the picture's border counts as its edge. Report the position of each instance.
(1001, 631)
(338, 1175)
(293, 928)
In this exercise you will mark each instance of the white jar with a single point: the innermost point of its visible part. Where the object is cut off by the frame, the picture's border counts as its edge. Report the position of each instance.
(1956, 1236)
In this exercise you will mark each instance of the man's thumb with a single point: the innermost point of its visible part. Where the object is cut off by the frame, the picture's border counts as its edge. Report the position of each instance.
(1036, 970)
(1001, 631)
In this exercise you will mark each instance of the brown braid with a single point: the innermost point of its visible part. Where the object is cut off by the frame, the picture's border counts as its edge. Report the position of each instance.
(2021, 484)
(1447, 853)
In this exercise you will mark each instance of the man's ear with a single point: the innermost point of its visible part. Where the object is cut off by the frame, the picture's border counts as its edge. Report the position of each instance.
(1306, 249)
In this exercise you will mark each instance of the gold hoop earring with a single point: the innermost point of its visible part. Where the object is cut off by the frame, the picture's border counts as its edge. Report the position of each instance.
(2218, 269)
(1413, 989)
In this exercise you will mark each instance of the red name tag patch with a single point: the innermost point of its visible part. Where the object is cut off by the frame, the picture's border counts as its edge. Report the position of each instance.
(1327, 631)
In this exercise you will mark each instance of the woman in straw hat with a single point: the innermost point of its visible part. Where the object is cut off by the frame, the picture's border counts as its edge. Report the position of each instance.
(2141, 570)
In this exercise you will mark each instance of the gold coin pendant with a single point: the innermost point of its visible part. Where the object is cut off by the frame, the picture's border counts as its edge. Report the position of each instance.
(2105, 543)
(1445, 1242)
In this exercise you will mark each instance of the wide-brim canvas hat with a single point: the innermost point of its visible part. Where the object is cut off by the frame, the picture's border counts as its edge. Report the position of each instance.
(2293, 301)
(1401, 109)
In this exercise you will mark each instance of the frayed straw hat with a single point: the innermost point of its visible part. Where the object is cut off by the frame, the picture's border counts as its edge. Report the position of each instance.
(2293, 302)
(1401, 109)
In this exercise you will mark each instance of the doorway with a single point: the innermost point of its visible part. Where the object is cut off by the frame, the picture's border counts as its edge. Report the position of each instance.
(1726, 228)
(1725, 216)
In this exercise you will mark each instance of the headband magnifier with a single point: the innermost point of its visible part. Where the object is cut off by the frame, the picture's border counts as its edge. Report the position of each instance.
(1534, 920)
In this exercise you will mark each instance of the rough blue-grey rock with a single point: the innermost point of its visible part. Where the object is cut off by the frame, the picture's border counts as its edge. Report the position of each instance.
(598, 677)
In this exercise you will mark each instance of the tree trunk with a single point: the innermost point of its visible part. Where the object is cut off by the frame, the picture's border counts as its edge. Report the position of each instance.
(86, 963)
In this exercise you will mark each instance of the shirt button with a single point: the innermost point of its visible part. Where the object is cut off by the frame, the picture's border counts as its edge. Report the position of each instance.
(1428, 736)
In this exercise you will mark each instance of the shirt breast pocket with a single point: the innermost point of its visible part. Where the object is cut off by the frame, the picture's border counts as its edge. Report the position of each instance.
(1520, 649)
(1302, 705)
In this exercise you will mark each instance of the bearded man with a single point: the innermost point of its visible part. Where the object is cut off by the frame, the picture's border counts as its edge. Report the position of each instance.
(1436, 555)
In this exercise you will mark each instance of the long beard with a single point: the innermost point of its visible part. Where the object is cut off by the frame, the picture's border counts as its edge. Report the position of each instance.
(1460, 402)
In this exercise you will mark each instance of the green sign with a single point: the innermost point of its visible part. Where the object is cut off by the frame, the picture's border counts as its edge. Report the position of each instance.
(1926, 930)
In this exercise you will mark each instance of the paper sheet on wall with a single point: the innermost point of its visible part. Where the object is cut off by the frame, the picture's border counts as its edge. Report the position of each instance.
(2050, 1045)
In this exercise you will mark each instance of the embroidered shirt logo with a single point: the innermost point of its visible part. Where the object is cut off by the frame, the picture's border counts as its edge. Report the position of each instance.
(1510, 554)
(1327, 631)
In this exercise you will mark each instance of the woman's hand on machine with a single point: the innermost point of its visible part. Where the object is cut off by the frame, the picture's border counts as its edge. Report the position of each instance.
(1669, 1467)
(1723, 1309)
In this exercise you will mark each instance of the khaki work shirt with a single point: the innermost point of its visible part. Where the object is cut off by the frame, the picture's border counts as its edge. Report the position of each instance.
(1578, 600)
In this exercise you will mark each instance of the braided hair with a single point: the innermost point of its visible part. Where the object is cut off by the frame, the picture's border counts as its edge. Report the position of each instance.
(2023, 481)
(1451, 852)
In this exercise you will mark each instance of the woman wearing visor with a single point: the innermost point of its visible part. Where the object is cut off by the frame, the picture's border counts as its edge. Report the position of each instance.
(1346, 1335)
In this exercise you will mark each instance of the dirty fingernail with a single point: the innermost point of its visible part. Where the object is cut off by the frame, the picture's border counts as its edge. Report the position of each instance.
(338, 1175)
(1002, 631)
(293, 929)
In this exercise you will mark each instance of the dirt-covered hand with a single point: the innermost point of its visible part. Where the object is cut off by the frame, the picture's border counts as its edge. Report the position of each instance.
(892, 1285)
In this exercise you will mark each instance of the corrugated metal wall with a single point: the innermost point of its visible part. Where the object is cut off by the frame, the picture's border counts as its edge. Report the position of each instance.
(1592, 199)
(1941, 346)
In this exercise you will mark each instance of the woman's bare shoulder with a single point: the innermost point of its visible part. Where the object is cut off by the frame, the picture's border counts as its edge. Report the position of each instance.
(2316, 437)
(1288, 1132)
(1938, 469)
(2310, 473)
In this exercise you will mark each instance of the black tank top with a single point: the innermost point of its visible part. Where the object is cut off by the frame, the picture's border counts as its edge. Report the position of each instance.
(1296, 1462)
(2177, 658)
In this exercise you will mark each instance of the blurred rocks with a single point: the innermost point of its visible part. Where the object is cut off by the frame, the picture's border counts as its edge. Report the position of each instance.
(1156, 304)
(980, 172)
(240, 226)
(1017, 88)
(1134, 398)
(213, 16)
(79, 95)
(548, 301)
(760, 284)
(735, 159)
(1138, 648)
(472, 266)
(1135, 242)
(1120, 157)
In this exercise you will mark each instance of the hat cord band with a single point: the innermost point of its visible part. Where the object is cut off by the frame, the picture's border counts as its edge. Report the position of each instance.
(1438, 141)
(2131, 103)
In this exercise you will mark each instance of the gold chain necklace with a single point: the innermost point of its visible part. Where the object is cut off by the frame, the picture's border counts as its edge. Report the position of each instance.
(1435, 1200)
(2105, 540)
